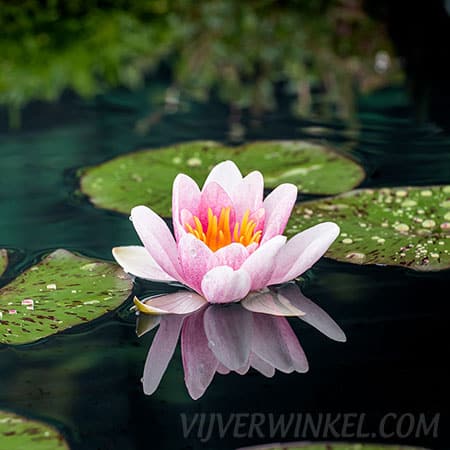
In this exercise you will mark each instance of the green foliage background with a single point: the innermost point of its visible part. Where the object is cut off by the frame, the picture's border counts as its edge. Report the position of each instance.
(241, 48)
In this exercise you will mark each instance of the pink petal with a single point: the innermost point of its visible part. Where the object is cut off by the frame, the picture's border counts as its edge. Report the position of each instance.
(185, 195)
(300, 363)
(136, 260)
(269, 302)
(260, 263)
(248, 194)
(186, 217)
(229, 332)
(196, 259)
(244, 369)
(199, 362)
(302, 251)
(258, 217)
(232, 255)
(181, 302)
(161, 351)
(224, 285)
(222, 370)
(261, 366)
(278, 206)
(267, 343)
(215, 197)
(226, 174)
(313, 314)
(157, 239)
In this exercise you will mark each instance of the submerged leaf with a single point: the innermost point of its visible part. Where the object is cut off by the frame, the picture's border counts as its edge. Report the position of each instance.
(403, 226)
(18, 432)
(61, 291)
(146, 177)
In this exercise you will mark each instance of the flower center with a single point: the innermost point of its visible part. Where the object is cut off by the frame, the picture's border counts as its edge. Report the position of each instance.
(218, 231)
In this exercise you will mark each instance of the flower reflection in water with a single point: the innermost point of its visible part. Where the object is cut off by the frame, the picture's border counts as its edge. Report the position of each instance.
(223, 338)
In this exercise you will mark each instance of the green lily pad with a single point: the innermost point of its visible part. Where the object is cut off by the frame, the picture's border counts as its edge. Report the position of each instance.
(61, 291)
(146, 177)
(330, 446)
(18, 433)
(3, 260)
(403, 226)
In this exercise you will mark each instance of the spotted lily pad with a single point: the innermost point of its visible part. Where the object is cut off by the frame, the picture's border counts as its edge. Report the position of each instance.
(330, 446)
(407, 227)
(3, 260)
(61, 291)
(146, 177)
(19, 433)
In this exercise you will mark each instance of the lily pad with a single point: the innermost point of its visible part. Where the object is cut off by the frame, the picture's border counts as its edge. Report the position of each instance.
(61, 291)
(146, 177)
(402, 226)
(3, 260)
(18, 433)
(330, 446)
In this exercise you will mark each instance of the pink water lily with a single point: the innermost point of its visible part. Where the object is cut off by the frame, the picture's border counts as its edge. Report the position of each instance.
(228, 239)
(219, 340)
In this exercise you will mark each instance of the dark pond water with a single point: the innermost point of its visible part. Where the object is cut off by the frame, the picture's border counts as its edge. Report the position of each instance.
(87, 381)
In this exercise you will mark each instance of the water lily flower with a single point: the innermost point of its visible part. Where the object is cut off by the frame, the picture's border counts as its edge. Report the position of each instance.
(228, 240)
(217, 339)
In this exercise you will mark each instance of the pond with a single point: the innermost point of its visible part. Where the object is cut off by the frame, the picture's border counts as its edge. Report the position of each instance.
(86, 381)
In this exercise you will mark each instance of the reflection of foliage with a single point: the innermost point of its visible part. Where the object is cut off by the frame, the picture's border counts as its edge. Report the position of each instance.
(241, 48)
(247, 47)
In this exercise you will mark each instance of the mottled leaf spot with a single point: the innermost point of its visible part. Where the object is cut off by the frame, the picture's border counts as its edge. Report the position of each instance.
(375, 230)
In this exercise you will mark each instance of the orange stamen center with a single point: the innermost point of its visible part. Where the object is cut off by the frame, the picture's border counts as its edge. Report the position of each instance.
(218, 233)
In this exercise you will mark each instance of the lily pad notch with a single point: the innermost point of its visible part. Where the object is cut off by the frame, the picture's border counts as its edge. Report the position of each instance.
(145, 177)
(61, 291)
(401, 226)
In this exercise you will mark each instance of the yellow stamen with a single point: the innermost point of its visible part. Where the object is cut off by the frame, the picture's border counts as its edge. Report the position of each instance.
(219, 233)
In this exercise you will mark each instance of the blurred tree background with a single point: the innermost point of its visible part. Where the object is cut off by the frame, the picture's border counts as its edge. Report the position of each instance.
(241, 50)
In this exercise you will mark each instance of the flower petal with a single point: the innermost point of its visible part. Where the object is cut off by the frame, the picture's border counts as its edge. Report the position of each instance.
(261, 366)
(181, 302)
(137, 261)
(248, 194)
(229, 332)
(270, 344)
(215, 197)
(161, 351)
(278, 206)
(232, 255)
(302, 251)
(269, 302)
(260, 264)
(222, 370)
(244, 369)
(185, 195)
(196, 259)
(199, 362)
(224, 285)
(313, 314)
(226, 174)
(299, 361)
(157, 239)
